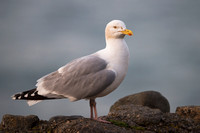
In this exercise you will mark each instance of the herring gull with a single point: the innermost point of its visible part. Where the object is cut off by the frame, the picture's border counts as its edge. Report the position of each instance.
(88, 77)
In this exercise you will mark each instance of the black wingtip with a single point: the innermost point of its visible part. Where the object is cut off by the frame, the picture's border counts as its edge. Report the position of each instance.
(23, 95)
(29, 95)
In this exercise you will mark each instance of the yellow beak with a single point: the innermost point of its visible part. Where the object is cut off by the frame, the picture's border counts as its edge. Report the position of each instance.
(127, 32)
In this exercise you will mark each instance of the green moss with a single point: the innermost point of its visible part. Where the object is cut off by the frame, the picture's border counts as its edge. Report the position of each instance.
(119, 123)
(123, 124)
(137, 128)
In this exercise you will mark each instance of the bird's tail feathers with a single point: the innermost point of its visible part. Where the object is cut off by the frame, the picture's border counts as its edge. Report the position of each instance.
(31, 95)
(32, 102)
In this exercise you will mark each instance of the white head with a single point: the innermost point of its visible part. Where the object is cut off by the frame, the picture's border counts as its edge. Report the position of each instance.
(116, 29)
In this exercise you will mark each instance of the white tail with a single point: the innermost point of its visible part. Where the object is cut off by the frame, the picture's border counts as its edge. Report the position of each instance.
(32, 102)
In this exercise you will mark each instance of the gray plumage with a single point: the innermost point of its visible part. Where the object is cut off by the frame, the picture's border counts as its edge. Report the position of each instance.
(81, 78)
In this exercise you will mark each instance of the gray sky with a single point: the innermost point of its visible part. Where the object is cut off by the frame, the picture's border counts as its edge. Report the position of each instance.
(37, 37)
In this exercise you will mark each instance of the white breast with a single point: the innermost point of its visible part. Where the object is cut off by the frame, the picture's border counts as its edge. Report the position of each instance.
(116, 54)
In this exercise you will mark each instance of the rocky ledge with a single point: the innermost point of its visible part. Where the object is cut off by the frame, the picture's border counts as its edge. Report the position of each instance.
(124, 118)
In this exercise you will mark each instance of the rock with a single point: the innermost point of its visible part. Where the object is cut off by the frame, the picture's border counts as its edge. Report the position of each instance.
(124, 118)
(142, 117)
(133, 114)
(58, 124)
(192, 112)
(16, 123)
(84, 125)
(64, 118)
(150, 99)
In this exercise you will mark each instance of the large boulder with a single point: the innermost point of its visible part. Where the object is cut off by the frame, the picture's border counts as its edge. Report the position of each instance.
(151, 99)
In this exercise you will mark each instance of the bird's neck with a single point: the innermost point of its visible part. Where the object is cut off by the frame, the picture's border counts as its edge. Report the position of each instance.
(117, 47)
(116, 53)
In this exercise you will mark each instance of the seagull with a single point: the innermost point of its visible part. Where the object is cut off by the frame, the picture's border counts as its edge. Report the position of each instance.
(89, 77)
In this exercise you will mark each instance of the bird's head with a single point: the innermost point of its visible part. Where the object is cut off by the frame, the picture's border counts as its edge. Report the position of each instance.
(117, 29)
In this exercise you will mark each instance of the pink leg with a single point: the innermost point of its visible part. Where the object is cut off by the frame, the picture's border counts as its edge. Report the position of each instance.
(91, 109)
(93, 105)
(95, 111)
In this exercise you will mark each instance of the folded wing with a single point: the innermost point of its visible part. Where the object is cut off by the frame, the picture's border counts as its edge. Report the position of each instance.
(82, 78)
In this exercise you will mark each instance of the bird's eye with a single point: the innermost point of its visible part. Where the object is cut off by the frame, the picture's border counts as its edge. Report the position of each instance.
(114, 27)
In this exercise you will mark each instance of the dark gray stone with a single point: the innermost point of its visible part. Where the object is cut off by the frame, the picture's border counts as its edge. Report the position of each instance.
(150, 99)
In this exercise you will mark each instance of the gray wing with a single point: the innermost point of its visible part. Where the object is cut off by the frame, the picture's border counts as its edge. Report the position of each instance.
(82, 78)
